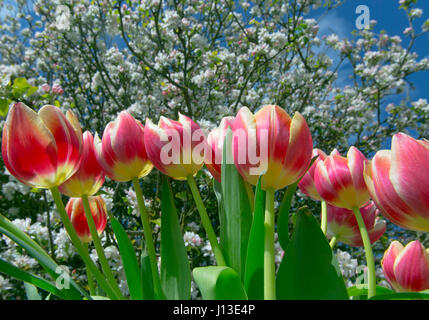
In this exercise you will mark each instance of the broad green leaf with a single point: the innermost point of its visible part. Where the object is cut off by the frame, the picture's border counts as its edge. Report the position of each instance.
(13, 232)
(235, 229)
(99, 298)
(27, 277)
(4, 107)
(254, 273)
(219, 283)
(402, 296)
(129, 259)
(362, 290)
(147, 280)
(283, 219)
(31, 291)
(309, 269)
(175, 269)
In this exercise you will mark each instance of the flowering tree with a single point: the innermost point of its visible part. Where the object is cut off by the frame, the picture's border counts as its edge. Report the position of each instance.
(205, 59)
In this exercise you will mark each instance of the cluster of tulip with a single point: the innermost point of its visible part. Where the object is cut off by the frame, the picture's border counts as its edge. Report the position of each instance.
(48, 150)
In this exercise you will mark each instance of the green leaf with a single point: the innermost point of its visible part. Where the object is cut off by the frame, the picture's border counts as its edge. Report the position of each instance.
(129, 259)
(31, 292)
(99, 298)
(4, 106)
(147, 280)
(362, 290)
(254, 273)
(309, 269)
(402, 296)
(29, 278)
(219, 283)
(33, 249)
(235, 229)
(283, 219)
(175, 269)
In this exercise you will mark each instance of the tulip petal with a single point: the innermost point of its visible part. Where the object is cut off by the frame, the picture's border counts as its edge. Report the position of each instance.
(388, 262)
(29, 150)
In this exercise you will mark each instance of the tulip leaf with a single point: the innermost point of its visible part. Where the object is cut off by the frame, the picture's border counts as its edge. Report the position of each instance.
(175, 269)
(235, 227)
(309, 269)
(219, 283)
(402, 296)
(33, 249)
(129, 260)
(31, 291)
(32, 280)
(254, 273)
(147, 280)
(362, 290)
(283, 219)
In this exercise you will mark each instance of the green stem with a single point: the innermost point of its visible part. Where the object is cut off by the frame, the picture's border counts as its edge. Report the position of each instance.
(206, 222)
(250, 194)
(90, 279)
(324, 217)
(99, 248)
(368, 253)
(79, 246)
(333, 242)
(269, 264)
(147, 231)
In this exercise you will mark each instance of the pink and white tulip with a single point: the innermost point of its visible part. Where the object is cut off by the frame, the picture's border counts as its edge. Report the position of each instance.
(41, 149)
(272, 145)
(398, 181)
(75, 211)
(406, 269)
(215, 139)
(89, 178)
(339, 180)
(121, 152)
(342, 224)
(176, 148)
(306, 185)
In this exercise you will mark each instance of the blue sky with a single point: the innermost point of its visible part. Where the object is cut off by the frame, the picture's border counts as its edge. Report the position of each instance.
(389, 18)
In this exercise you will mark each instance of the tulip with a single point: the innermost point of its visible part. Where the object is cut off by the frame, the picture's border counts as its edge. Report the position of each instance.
(271, 144)
(172, 146)
(406, 269)
(76, 213)
(343, 226)
(398, 182)
(339, 180)
(89, 178)
(306, 184)
(215, 140)
(121, 152)
(41, 149)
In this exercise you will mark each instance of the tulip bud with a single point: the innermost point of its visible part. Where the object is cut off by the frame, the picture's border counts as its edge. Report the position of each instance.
(339, 180)
(41, 149)
(342, 224)
(398, 181)
(121, 152)
(272, 145)
(176, 148)
(215, 140)
(406, 269)
(89, 178)
(76, 213)
(306, 184)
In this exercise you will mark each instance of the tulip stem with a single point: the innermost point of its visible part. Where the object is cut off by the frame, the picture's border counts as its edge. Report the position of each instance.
(90, 279)
(99, 248)
(333, 242)
(147, 232)
(368, 253)
(269, 264)
(206, 222)
(79, 246)
(324, 217)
